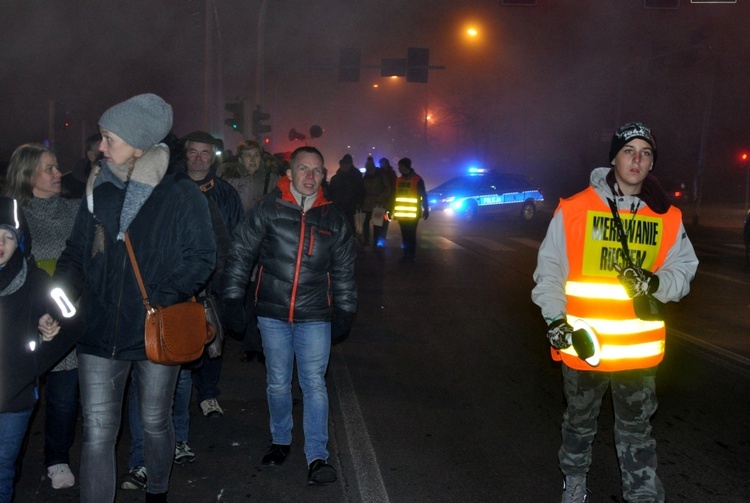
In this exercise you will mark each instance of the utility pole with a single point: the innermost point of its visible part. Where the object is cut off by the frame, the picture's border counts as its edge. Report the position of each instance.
(51, 124)
(207, 74)
(260, 59)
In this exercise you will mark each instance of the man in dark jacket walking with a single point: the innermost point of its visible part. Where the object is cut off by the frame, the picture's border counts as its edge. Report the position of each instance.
(305, 254)
(347, 189)
(226, 210)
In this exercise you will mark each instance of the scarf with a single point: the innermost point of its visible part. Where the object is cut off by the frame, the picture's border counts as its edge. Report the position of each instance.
(652, 192)
(138, 182)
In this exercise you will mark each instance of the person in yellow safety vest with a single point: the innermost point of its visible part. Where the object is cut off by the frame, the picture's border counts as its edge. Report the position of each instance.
(585, 280)
(409, 205)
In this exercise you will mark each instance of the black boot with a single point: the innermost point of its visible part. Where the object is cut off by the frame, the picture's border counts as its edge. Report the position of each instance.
(156, 498)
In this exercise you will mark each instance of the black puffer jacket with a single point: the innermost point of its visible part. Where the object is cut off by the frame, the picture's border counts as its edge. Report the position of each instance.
(306, 260)
(174, 245)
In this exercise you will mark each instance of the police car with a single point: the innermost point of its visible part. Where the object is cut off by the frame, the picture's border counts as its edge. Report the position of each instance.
(487, 192)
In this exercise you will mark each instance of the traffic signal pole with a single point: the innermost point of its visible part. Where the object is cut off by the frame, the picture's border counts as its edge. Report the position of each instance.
(261, 55)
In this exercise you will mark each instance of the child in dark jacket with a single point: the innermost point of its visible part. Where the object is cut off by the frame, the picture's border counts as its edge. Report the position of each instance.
(25, 304)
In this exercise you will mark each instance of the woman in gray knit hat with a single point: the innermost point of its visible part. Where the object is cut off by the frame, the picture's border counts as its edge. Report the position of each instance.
(167, 220)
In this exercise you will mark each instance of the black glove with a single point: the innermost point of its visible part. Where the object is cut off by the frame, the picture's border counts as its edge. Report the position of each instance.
(233, 316)
(637, 281)
(426, 214)
(560, 334)
(342, 322)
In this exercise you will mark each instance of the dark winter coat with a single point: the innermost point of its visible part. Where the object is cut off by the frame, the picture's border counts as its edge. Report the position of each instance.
(347, 189)
(226, 211)
(19, 365)
(175, 248)
(227, 199)
(306, 259)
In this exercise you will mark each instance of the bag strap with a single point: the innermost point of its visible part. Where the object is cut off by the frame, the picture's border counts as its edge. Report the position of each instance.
(136, 270)
(620, 231)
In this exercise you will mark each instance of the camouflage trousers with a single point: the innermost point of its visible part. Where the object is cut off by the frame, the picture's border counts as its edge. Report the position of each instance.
(634, 401)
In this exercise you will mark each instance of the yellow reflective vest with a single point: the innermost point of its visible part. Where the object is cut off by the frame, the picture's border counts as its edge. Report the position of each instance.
(407, 204)
(595, 296)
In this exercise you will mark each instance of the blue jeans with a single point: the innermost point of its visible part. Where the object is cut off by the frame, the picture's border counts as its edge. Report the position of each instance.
(102, 393)
(12, 430)
(310, 343)
(60, 415)
(206, 378)
(180, 415)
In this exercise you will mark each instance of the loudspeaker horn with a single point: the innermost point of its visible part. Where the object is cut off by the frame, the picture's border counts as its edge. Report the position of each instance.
(294, 135)
(316, 131)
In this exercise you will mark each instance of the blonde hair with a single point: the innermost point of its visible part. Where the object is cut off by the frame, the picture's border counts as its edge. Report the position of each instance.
(19, 179)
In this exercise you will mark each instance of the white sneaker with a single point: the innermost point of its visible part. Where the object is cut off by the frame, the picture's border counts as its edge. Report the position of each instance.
(61, 476)
(183, 453)
(211, 408)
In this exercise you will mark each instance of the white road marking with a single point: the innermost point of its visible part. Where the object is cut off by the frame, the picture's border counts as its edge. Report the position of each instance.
(492, 245)
(531, 243)
(443, 243)
(366, 468)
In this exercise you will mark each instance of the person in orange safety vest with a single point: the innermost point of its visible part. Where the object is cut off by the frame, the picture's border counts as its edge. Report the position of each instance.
(590, 281)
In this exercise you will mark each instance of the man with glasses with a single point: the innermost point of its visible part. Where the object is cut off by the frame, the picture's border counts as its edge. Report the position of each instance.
(305, 297)
(200, 154)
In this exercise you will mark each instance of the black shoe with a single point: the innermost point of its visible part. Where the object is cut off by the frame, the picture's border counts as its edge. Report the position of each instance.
(276, 455)
(248, 356)
(156, 498)
(320, 473)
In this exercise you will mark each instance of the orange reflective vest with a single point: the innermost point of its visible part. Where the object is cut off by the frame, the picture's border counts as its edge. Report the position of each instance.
(595, 297)
(407, 205)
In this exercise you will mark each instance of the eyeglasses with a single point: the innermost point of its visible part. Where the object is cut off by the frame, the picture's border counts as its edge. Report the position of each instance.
(202, 153)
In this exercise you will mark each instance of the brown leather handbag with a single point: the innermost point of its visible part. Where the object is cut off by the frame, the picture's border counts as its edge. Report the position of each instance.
(175, 334)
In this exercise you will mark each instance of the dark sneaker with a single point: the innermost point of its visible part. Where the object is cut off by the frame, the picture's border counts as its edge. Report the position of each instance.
(574, 490)
(183, 454)
(136, 478)
(320, 473)
(276, 455)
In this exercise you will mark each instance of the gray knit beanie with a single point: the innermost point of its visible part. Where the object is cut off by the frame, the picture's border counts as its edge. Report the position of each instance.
(142, 121)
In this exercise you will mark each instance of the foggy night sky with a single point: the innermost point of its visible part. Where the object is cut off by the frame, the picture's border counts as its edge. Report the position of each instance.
(536, 92)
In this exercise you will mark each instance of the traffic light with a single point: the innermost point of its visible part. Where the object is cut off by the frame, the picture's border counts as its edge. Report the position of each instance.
(237, 121)
(743, 156)
(259, 128)
(417, 64)
(349, 60)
